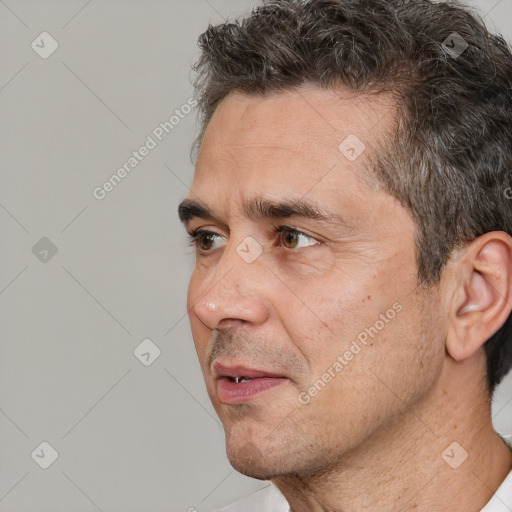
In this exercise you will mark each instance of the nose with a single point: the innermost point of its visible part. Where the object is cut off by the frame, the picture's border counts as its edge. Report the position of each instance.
(233, 291)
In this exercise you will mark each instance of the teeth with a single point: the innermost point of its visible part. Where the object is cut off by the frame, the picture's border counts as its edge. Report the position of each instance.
(241, 379)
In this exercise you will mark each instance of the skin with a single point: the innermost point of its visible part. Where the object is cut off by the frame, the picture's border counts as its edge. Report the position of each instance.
(373, 437)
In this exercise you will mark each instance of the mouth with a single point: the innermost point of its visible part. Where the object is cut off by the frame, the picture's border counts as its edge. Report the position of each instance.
(239, 384)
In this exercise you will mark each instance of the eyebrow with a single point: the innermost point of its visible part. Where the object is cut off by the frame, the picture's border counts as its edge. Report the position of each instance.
(261, 208)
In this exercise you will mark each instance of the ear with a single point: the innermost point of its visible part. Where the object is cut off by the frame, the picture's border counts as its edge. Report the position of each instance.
(481, 293)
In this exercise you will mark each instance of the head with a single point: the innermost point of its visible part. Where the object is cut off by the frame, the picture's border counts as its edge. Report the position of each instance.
(352, 217)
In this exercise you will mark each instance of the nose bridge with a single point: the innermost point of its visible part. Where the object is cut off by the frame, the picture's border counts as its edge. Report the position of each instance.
(235, 290)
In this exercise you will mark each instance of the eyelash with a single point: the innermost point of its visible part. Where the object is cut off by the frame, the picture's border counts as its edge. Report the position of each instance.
(194, 236)
(279, 230)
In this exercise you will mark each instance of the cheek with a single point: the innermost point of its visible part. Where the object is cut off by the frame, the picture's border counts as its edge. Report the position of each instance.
(359, 316)
(403, 352)
(295, 268)
(372, 372)
(325, 320)
(337, 307)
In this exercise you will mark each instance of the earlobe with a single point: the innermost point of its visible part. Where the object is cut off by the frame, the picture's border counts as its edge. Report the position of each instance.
(481, 300)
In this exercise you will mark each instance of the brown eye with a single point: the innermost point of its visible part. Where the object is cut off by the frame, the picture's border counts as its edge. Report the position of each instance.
(291, 238)
(204, 241)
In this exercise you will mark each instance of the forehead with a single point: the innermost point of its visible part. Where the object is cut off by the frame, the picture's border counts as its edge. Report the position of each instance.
(290, 141)
(298, 119)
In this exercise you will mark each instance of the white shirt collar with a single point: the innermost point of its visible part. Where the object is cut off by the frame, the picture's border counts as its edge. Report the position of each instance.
(502, 499)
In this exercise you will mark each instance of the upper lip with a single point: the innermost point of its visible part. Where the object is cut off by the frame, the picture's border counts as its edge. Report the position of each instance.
(239, 370)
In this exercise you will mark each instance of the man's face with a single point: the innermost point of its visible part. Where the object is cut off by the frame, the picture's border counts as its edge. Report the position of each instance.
(324, 314)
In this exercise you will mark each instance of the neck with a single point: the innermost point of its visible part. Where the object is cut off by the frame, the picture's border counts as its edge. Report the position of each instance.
(411, 463)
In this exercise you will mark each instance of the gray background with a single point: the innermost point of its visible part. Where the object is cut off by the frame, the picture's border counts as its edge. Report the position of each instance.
(130, 437)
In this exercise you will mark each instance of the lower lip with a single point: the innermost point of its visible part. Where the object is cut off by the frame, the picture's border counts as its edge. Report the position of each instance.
(231, 393)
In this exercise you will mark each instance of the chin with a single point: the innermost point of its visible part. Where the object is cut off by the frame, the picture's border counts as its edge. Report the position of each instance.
(250, 461)
(274, 461)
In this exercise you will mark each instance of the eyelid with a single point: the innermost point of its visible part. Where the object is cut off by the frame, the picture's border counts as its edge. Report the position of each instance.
(194, 234)
(296, 229)
(208, 229)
